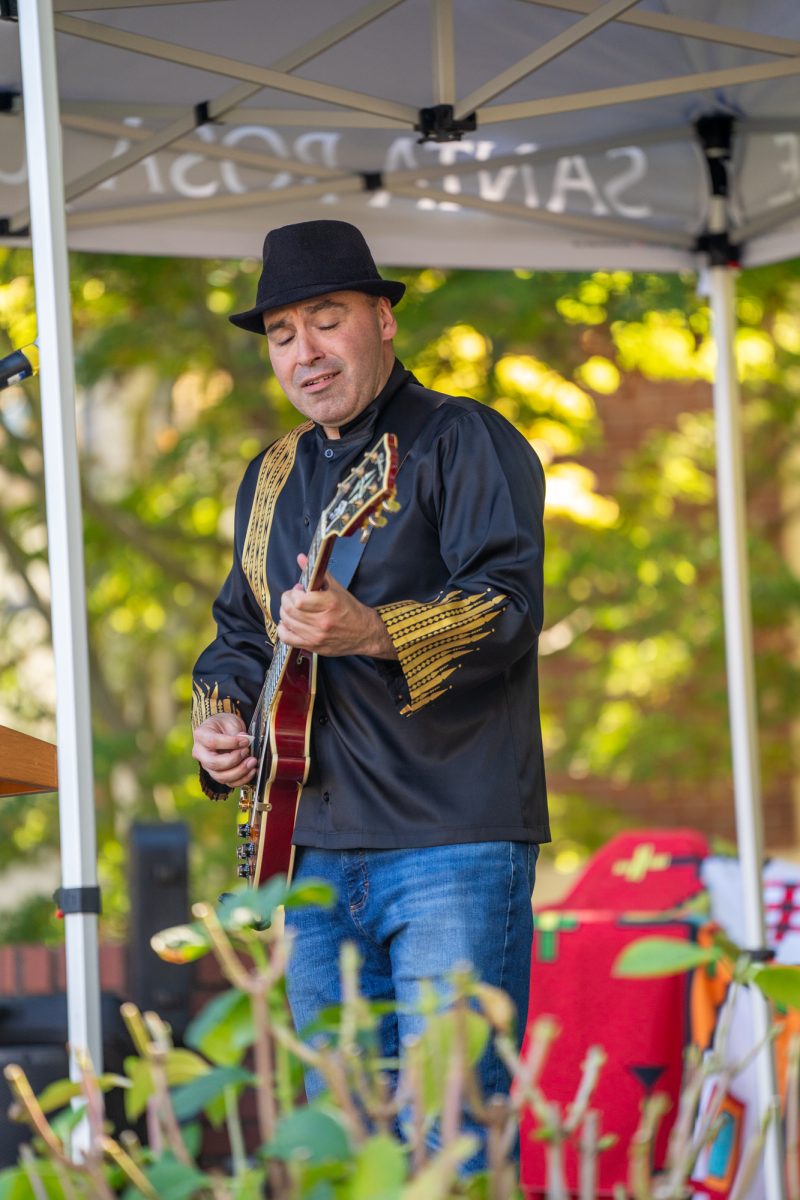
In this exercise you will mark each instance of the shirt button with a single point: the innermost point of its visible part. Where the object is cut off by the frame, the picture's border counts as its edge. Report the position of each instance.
(306, 520)
(323, 718)
(329, 453)
(326, 796)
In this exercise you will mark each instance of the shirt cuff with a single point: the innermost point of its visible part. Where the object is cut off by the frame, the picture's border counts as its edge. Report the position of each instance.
(432, 638)
(207, 702)
(212, 789)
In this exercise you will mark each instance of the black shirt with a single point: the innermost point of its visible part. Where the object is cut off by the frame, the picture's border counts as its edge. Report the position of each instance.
(445, 744)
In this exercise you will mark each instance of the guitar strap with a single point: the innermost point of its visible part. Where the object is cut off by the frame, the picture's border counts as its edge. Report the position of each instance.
(406, 421)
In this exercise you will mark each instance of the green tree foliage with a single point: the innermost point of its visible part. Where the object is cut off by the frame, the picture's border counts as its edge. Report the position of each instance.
(173, 402)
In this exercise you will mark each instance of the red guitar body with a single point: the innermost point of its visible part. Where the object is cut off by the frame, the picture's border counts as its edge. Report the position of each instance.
(272, 814)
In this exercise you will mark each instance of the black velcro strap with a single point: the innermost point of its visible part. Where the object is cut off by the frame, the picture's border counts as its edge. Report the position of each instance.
(78, 900)
(762, 954)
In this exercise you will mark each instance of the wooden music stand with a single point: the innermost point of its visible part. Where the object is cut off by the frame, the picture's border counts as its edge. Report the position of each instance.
(27, 764)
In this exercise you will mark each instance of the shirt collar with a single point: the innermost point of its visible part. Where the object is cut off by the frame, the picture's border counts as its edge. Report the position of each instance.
(364, 423)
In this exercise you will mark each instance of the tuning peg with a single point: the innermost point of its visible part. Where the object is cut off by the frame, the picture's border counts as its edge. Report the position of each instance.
(365, 532)
(392, 505)
(377, 520)
(243, 870)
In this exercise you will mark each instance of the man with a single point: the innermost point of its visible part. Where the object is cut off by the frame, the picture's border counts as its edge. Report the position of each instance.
(425, 804)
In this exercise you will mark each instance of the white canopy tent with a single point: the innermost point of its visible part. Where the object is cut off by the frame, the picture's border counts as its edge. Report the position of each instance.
(573, 134)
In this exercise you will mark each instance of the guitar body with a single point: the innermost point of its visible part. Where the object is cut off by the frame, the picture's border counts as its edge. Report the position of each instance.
(270, 804)
(281, 726)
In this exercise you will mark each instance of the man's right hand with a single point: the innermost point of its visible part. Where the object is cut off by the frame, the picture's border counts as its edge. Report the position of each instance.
(222, 747)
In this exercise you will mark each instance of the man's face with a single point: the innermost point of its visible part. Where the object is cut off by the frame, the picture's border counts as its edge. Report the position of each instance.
(333, 354)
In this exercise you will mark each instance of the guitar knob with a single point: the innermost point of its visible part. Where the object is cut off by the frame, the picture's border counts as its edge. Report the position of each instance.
(243, 871)
(377, 520)
(244, 852)
(243, 831)
(392, 505)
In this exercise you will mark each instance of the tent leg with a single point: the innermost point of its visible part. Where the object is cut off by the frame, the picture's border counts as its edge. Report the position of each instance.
(741, 683)
(65, 537)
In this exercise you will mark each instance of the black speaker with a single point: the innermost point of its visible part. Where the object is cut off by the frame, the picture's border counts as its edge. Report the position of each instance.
(33, 1035)
(158, 877)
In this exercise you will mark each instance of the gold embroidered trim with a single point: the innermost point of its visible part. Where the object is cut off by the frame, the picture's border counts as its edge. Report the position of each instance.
(275, 467)
(206, 701)
(430, 638)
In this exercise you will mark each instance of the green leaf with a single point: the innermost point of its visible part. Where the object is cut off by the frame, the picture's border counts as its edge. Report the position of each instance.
(141, 1089)
(14, 1185)
(434, 1051)
(173, 1180)
(252, 909)
(321, 1190)
(66, 1121)
(192, 1136)
(182, 1066)
(59, 1093)
(309, 1135)
(249, 1186)
(181, 943)
(224, 1029)
(379, 1171)
(310, 893)
(654, 957)
(434, 1180)
(191, 1099)
(779, 984)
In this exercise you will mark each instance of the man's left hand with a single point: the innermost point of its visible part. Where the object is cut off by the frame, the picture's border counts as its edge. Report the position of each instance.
(332, 622)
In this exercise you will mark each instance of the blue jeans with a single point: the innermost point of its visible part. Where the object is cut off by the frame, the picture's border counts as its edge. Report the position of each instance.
(414, 915)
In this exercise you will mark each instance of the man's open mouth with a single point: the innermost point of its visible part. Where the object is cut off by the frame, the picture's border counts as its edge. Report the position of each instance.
(319, 379)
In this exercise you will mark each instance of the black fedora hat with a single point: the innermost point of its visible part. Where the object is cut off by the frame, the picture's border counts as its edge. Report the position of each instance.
(311, 259)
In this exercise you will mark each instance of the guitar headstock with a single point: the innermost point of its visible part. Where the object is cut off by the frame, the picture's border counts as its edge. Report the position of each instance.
(365, 494)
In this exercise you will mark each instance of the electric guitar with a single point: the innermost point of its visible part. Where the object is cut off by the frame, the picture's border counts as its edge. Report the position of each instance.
(281, 723)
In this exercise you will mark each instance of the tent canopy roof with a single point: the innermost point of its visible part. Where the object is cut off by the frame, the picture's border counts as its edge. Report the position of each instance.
(229, 117)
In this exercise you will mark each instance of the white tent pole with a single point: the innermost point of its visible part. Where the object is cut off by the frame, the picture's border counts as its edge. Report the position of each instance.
(741, 683)
(65, 541)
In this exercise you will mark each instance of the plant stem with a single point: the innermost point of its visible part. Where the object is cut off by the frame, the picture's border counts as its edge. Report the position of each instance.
(163, 1103)
(587, 1184)
(592, 1066)
(752, 1156)
(30, 1169)
(265, 1091)
(554, 1155)
(641, 1148)
(793, 1118)
(454, 1084)
(264, 1068)
(235, 1134)
(24, 1093)
(128, 1167)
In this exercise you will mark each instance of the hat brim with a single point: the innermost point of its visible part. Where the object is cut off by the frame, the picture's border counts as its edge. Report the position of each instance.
(253, 319)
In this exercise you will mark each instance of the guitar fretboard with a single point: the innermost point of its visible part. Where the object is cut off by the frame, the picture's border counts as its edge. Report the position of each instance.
(317, 552)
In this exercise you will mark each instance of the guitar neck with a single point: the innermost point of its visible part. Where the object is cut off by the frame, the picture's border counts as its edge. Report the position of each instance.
(311, 577)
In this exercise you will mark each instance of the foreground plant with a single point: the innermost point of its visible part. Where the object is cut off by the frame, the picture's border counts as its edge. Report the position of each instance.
(367, 1137)
(347, 1145)
(697, 1123)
